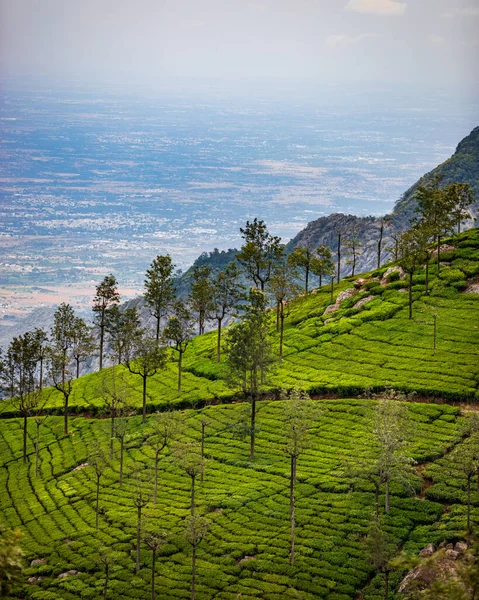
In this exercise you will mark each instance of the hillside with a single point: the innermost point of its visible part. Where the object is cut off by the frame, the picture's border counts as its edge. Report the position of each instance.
(335, 353)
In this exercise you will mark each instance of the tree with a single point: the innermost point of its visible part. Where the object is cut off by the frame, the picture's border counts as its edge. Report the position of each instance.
(322, 264)
(201, 296)
(196, 530)
(98, 462)
(83, 344)
(411, 251)
(302, 258)
(165, 427)
(112, 390)
(249, 354)
(160, 289)
(41, 343)
(122, 426)
(338, 270)
(461, 197)
(284, 288)
(188, 457)
(298, 420)
(260, 252)
(145, 358)
(122, 327)
(106, 297)
(179, 333)
(465, 460)
(227, 292)
(154, 540)
(381, 549)
(391, 429)
(39, 421)
(435, 208)
(353, 248)
(140, 500)
(22, 353)
(107, 559)
(11, 564)
(383, 223)
(61, 354)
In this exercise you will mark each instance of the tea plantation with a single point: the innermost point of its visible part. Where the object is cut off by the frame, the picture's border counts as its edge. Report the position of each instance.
(340, 357)
(245, 554)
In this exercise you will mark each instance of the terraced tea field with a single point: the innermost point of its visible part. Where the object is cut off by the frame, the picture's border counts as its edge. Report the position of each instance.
(245, 554)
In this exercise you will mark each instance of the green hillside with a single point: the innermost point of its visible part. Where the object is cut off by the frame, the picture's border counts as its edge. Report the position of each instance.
(348, 351)
(341, 356)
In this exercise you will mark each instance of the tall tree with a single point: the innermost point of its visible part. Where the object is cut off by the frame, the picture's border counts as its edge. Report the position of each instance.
(165, 428)
(412, 244)
(39, 421)
(465, 461)
(188, 457)
(461, 197)
(249, 354)
(99, 463)
(113, 392)
(83, 343)
(381, 549)
(154, 540)
(41, 339)
(284, 288)
(22, 353)
(227, 293)
(353, 248)
(160, 289)
(302, 258)
(299, 416)
(179, 333)
(260, 252)
(122, 327)
(338, 256)
(140, 499)
(122, 427)
(105, 298)
(201, 296)
(195, 532)
(322, 263)
(384, 222)
(145, 358)
(61, 355)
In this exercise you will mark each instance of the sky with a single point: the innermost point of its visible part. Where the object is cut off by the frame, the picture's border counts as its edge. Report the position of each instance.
(401, 41)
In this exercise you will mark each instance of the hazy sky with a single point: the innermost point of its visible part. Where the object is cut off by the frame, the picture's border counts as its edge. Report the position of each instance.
(327, 40)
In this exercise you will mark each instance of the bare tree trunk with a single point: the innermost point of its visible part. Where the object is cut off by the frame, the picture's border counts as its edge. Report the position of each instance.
(218, 343)
(40, 383)
(143, 418)
(102, 334)
(281, 331)
(339, 257)
(193, 572)
(158, 319)
(320, 280)
(292, 483)
(253, 426)
(155, 492)
(410, 294)
(179, 370)
(153, 562)
(37, 450)
(77, 360)
(122, 442)
(97, 499)
(192, 507)
(277, 316)
(25, 426)
(427, 278)
(380, 241)
(138, 538)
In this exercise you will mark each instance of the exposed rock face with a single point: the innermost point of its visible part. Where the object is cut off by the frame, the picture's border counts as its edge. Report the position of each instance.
(472, 289)
(396, 269)
(427, 551)
(349, 293)
(68, 574)
(364, 301)
(38, 561)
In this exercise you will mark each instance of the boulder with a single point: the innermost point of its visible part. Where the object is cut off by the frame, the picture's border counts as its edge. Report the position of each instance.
(427, 551)
(80, 467)
(331, 308)
(349, 293)
(68, 573)
(452, 554)
(360, 303)
(360, 282)
(472, 289)
(460, 547)
(38, 561)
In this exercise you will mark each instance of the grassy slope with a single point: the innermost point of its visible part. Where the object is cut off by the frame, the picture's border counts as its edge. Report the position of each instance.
(246, 502)
(377, 346)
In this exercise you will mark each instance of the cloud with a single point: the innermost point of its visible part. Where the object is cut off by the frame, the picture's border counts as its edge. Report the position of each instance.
(379, 7)
(467, 11)
(435, 39)
(333, 41)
